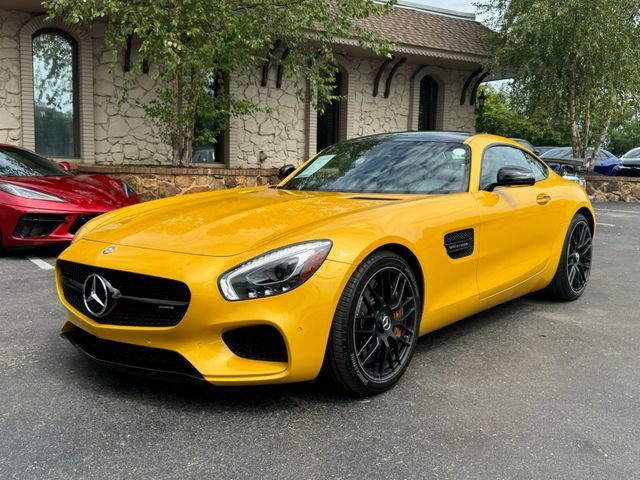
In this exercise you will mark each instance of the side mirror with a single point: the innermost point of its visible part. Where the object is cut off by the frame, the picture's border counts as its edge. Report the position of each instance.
(285, 171)
(66, 166)
(513, 177)
(567, 170)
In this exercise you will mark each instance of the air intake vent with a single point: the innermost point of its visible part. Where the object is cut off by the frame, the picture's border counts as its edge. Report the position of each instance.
(261, 342)
(459, 244)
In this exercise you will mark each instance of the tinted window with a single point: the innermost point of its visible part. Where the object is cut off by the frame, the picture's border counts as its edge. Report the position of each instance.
(496, 158)
(15, 162)
(375, 165)
(428, 104)
(54, 94)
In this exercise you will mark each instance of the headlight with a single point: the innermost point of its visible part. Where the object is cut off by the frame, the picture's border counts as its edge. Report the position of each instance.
(25, 192)
(274, 272)
(128, 189)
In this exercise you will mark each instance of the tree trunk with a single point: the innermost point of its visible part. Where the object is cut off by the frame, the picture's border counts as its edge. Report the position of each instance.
(576, 140)
(598, 145)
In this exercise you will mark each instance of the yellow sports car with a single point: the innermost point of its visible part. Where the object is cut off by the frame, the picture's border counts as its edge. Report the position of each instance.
(338, 269)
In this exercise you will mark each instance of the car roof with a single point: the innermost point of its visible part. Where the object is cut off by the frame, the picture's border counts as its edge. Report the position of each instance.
(430, 136)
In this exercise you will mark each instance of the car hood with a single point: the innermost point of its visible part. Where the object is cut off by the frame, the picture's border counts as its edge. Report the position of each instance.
(226, 223)
(95, 192)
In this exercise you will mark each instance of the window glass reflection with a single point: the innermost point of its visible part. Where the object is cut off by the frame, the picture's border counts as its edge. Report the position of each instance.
(54, 94)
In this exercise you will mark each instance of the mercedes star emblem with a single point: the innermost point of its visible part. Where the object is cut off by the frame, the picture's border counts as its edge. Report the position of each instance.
(96, 293)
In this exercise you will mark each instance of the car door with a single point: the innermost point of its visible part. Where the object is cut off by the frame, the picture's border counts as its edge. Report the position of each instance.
(516, 229)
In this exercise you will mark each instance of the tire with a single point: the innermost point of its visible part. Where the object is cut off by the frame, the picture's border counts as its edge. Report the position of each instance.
(376, 326)
(572, 274)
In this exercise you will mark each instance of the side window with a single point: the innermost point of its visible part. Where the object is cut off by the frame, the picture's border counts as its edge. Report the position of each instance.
(540, 171)
(496, 158)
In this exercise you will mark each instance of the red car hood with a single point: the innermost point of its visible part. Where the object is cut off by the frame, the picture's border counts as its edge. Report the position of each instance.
(95, 192)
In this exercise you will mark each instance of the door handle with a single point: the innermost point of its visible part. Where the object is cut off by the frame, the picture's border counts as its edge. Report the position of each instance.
(543, 199)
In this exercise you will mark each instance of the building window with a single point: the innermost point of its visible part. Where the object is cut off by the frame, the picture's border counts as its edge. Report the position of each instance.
(206, 151)
(329, 121)
(428, 104)
(55, 94)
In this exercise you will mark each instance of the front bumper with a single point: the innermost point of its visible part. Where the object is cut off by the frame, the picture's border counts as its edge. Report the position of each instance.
(302, 316)
(629, 171)
(22, 226)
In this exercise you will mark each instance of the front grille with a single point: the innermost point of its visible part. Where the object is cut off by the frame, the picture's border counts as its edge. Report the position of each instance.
(33, 225)
(127, 355)
(260, 342)
(80, 221)
(144, 300)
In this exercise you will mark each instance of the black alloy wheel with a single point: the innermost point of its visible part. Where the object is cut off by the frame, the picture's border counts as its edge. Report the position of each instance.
(376, 326)
(579, 257)
(572, 274)
(385, 323)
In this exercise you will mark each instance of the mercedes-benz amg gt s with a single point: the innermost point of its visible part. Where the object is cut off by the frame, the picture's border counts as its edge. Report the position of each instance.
(338, 269)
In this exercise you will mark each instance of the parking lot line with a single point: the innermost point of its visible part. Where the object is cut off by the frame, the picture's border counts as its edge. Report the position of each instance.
(600, 211)
(606, 224)
(39, 262)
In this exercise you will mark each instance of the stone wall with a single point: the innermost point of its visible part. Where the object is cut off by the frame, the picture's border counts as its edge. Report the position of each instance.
(158, 182)
(613, 189)
(273, 136)
(10, 105)
(124, 134)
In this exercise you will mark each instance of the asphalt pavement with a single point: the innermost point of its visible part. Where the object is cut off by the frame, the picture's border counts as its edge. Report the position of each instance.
(531, 389)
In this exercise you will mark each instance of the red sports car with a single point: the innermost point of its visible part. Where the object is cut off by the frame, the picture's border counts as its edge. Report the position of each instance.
(42, 203)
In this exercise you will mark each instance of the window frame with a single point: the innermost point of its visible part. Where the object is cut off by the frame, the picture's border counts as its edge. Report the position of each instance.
(77, 148)
(522, 150)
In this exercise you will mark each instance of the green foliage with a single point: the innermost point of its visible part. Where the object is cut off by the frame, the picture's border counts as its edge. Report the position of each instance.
(189, 41)
(625, 137)
(576, 59)
(502, 117)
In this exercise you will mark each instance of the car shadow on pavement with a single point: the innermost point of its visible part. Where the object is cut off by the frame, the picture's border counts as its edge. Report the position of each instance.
(46, 251)
(201, 396)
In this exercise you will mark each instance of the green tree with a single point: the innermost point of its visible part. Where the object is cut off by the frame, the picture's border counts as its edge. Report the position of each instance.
(577, 59)
(625, 137)
(192, 41)
(501, 116)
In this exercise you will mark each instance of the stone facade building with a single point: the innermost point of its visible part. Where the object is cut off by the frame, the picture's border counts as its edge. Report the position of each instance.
(430, 84)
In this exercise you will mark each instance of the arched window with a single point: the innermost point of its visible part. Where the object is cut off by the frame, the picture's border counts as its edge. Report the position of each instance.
(329, 121)
(55, 94)
(428, 103)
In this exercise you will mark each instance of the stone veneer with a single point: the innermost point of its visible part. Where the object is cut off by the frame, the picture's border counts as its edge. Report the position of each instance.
(613, 189)
(10, 105)
(152, 182)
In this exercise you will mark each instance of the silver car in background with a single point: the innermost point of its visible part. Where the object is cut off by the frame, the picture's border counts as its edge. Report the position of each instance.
(630, 163)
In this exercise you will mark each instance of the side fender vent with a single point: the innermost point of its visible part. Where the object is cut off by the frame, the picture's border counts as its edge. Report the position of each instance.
(459, 244)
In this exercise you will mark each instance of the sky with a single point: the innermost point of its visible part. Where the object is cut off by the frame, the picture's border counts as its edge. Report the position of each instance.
(460, 5)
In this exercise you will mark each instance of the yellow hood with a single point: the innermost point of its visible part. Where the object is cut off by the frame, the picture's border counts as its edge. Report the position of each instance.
(224, 223)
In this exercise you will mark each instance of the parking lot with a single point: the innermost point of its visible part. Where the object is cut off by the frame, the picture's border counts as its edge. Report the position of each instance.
(531, 389)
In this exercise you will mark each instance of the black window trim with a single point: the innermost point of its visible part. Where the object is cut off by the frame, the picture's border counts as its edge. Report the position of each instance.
(76, 86)
(501, 144)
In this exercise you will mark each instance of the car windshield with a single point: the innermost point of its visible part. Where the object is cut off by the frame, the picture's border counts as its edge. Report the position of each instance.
(15, 162)
(381, 166)
(635, 153)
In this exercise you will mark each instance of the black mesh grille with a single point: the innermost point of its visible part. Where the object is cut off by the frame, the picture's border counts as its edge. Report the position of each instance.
(261, 342)
(459, 244)
(156, 298)
(33, 225)
(80, 221)
(125, 354)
